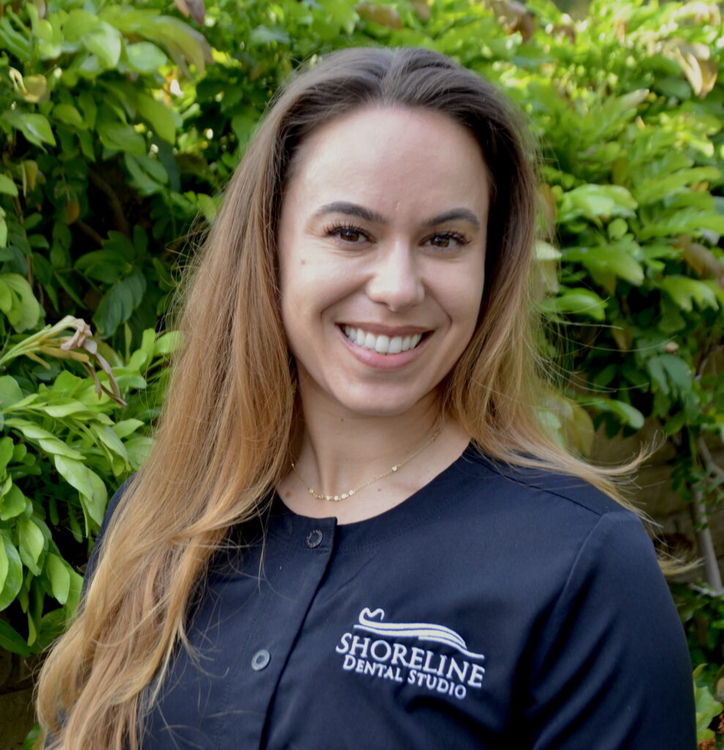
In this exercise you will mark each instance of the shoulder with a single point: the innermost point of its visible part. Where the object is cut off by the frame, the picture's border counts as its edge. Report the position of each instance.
(525, 485)
(546, 518)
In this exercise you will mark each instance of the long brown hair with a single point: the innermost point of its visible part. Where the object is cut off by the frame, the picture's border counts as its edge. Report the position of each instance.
(224, 437)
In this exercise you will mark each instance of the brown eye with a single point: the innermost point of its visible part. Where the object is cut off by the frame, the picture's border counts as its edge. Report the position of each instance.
(448, 241)
(349, 235)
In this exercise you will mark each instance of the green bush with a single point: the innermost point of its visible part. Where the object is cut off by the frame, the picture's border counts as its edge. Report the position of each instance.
(120, 124)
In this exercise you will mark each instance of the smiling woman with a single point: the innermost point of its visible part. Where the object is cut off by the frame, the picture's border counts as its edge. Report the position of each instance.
(353, 531)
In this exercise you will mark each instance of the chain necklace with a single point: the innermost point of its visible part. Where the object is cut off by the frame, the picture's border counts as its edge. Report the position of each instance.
(349, 493)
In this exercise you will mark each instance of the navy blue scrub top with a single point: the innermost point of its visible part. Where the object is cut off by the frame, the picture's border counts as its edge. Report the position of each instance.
(495, 609)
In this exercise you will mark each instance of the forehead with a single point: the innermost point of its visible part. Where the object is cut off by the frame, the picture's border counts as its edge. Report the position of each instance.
(392, 159)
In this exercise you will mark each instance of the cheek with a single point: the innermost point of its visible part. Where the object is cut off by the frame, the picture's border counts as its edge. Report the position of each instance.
(464, 298)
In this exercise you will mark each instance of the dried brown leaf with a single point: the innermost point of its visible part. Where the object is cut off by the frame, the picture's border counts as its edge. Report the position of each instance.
(704, 262)
(194, 8)
(380, 14)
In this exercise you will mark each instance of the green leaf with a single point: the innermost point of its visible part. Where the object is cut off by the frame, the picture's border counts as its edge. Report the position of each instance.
(59, 577)
(92, 491)
(14, 576)
(13, 503)
(607, 259)
(139, 178)
(89, 107)
(121, 137)
(52, 626)
(627, 414)
(66, 408)
(127, 427)
(578, 302)
(690, 220)
(46, 440)
(7, 449)
(103, 265)
(264, 35)
(79, 24)
(109, 438)
(145, 57)
(243, 125)
(685, 291)
(10, 392)
(138, 449)
(12, 641)
(660, 188)
(182, 42)
(678, 372)
(69, 115)
(35, 127)
(7, 186)
(25, 312)
(105, 42)
(4, 565)
(32, 543)
(658, 376)
(119, 303)
(167, 343)
(6, 297)
(159, 116)
(594, 201)
(706, 708)
(76, 586)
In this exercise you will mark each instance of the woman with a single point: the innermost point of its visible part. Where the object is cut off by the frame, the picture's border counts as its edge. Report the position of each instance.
(352, 531)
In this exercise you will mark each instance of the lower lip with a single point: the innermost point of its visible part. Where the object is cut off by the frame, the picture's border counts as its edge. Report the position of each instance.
(384, 361)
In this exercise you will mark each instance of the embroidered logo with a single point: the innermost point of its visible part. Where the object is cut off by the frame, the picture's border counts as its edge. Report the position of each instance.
(386, 658)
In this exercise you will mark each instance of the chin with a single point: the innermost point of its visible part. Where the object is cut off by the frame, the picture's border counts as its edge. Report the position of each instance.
(391, 405)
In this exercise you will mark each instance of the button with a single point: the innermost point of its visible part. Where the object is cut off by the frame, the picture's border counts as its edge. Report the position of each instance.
(260, 660)
(314, 538)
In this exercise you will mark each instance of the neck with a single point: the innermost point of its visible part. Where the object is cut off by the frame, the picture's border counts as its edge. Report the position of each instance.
(337, 451)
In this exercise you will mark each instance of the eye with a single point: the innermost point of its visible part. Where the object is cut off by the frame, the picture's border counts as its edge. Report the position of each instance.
(448, 240)
(348, 234)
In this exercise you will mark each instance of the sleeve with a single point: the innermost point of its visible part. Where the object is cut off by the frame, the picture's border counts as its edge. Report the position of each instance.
(612, 671)
(95, 553)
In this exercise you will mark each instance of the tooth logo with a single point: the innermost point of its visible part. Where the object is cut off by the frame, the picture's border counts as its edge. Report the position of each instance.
(420, 630)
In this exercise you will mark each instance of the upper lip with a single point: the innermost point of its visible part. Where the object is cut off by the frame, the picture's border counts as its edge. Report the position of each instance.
(379, 329)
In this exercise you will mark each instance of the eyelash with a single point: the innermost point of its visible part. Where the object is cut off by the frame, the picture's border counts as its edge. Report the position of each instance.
(334, 228)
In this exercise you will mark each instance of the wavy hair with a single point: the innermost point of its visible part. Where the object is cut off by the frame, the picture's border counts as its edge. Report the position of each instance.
(224, 436)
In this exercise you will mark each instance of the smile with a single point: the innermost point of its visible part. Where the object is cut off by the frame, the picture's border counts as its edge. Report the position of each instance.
(381, 344)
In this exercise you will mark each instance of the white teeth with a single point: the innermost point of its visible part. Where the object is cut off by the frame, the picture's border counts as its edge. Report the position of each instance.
(381, 344)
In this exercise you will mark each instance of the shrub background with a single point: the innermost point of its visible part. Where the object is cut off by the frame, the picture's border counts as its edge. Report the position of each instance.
(119, 126)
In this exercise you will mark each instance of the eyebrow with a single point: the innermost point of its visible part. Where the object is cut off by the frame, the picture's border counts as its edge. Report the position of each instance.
(353, 209)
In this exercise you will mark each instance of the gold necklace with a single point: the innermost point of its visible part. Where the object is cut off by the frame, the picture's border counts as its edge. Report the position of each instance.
(349, 493)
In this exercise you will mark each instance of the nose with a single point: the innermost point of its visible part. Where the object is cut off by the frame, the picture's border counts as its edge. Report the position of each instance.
(396, 280)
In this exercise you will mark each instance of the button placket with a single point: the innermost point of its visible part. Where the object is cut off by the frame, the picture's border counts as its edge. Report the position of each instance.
(294, 566)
